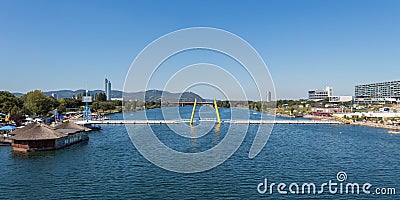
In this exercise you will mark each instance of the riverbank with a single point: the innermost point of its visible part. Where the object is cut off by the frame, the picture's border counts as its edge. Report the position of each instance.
(376, 125)
(284, 115)
(367, 123)
(108, 151)
(110, 112)
(357, 123)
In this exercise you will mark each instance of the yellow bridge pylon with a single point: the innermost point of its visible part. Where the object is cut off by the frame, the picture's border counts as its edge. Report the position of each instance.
(216, 111)
(194, 108)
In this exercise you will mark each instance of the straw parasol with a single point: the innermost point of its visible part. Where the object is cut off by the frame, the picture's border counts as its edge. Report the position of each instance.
(72, 125)
(37, 131)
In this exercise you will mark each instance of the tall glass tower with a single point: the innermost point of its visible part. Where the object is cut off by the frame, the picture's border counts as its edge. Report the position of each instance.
(107, 88)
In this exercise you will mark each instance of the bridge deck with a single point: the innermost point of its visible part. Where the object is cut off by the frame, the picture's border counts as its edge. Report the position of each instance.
(223, 121)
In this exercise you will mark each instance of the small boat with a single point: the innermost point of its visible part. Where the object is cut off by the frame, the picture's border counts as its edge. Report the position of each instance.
(298, 115)
(394, 132)
(5, 142)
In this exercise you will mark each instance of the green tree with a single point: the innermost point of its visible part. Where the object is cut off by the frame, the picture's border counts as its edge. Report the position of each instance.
(8, 101)
(65, 103)
(101, 97)
(79, 96)
(17, 115)
(223, 104)
(152, 104)
(95, 106)
(106, 106)
(37, 103)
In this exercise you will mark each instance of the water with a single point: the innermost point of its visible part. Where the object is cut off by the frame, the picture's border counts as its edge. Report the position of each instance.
(109, 167)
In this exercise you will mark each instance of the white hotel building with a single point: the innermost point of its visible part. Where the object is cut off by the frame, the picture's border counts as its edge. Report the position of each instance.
(384, 92)
(318, 95)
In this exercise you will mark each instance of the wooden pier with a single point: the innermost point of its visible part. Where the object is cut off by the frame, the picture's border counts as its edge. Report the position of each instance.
(206, 120)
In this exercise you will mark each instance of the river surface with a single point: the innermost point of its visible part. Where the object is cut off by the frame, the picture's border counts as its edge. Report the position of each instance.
(109, 166)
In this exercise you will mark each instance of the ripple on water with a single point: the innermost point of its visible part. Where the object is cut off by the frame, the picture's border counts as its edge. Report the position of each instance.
(109, 167)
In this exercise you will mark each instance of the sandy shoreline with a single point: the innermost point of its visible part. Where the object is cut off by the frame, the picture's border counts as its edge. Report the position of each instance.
(367, 123)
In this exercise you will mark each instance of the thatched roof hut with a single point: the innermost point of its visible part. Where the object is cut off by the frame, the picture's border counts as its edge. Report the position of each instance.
(40, 137)
(37, 131)
(71, 126)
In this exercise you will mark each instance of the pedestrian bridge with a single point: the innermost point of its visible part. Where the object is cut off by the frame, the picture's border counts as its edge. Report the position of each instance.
(211, 120)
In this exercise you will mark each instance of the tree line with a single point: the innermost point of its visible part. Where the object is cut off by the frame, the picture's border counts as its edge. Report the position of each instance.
(36, 103)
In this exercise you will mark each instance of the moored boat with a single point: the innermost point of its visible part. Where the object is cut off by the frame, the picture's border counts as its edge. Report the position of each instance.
(394, 132)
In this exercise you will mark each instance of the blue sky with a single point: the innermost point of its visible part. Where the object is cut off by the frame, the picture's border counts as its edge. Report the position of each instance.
(51, 45)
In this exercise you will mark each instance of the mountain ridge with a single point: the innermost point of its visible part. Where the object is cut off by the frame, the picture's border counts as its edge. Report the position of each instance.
(149, 95)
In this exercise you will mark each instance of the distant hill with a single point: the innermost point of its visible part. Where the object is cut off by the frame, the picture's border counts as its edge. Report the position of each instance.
(150, 95)
(72, 93)
(17, 94)
(156, 95)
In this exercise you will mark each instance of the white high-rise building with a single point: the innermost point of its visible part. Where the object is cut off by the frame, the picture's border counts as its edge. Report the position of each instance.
(320, 94)
(389, 89)
(269, 96)
(329, 89)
